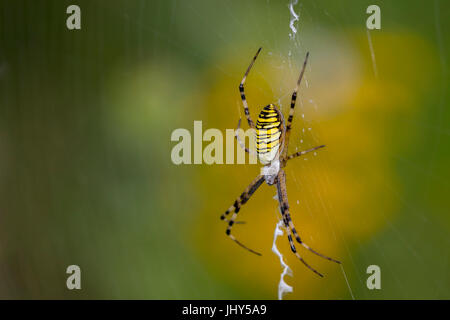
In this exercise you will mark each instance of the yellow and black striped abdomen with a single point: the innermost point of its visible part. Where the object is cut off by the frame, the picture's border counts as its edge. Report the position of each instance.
(268, 134)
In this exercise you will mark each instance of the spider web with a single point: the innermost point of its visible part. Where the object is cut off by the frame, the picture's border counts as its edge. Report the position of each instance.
(284, 42)
(288, 26)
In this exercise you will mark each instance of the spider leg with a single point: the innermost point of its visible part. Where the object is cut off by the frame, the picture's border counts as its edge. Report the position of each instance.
(241, 143)
(294, 250)
(300, 153)
(293, 100)
(284, 207)
(297, 237)
(282, 181)
(241, 90)
(244, 197)
(236, 222)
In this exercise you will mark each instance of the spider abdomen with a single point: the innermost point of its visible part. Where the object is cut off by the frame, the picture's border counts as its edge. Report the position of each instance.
(268, 134)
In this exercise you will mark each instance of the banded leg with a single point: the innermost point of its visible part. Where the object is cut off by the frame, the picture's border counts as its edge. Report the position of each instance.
(241, 143)
(293, 100)
(294, 250)
(284, 207)
(297, 237)
(300, 153)
(288, 221)
(282, 183)
(241, 90)
(245, 196)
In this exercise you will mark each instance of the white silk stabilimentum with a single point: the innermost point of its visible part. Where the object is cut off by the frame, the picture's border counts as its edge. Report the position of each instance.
(283, 287)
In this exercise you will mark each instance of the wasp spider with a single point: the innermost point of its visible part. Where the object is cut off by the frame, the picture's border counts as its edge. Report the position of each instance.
(272, 140)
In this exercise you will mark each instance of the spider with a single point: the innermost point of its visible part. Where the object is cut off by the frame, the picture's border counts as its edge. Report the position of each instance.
(272, 139)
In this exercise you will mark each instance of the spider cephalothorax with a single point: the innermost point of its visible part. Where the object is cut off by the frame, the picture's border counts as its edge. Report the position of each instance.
(272, 141)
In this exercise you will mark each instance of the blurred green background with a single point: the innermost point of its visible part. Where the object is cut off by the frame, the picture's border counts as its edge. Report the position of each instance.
(86, 176)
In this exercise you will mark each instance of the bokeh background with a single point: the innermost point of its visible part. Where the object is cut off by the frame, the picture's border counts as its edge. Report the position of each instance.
(86, 176)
